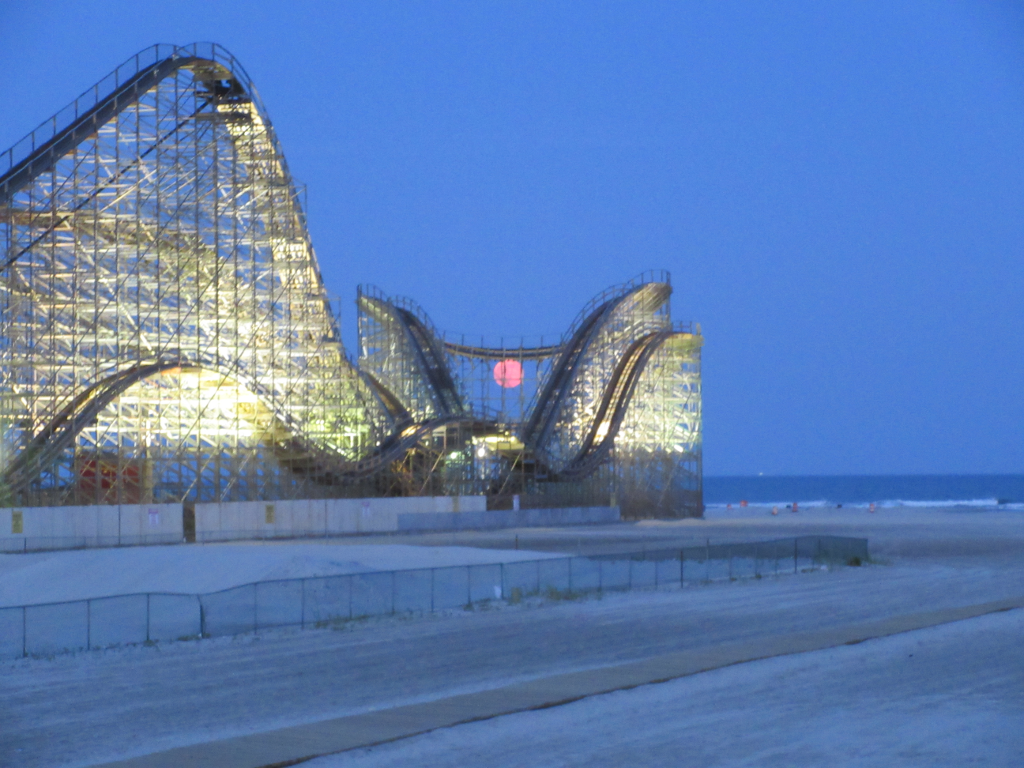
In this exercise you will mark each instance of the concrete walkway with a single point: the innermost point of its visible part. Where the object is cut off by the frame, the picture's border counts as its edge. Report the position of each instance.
(288, 746)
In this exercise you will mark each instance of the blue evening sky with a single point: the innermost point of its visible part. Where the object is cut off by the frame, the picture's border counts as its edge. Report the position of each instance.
(837, 188)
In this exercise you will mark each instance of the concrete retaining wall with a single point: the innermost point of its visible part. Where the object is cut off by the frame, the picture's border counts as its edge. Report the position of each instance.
(29, 528)
(332, 517)
(118, 525)
(447, 521)
(320, 517)
(382, 515)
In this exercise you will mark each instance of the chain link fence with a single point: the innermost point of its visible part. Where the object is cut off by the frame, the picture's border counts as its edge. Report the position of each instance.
(53, 628)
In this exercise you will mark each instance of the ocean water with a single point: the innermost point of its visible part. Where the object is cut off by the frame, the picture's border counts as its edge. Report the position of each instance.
(861, 490)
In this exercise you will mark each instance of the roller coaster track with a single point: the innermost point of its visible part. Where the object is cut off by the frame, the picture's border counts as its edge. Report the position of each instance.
(446, 394)
(62, 429)
(618, 394)
(102, 269)
(416, 341)
(493, 353)
(326, 469)
(46, 445)
(152, 226)
(45, 157)
(397, 412)
(297, 453)
(47, 154)
(556, 389)
(224, 82)
(609, 411)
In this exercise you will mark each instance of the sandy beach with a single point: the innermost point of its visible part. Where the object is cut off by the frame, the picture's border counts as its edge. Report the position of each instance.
(868, 704)
(28, 579)
(916, 699)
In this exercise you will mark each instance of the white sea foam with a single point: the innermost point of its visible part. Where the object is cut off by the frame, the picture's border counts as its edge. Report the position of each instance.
(817, 503)
(977, 503)
(880, 504)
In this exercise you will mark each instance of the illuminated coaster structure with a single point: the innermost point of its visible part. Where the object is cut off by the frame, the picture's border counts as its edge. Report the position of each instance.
(165, 335)
(612, 411)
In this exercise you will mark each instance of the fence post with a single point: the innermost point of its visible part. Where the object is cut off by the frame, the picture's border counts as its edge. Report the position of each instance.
(757, 551)
(501, 578)
(202, 617)
(256, 607)
(302, 613)
(147, 616)
(432, 589)
(600, 575)
(682, 568)
(795, 544)
(393, 593)
(24, 630)
(728, 554)
(570, 575)
(88, 625)
(469, 585)
(351, 588)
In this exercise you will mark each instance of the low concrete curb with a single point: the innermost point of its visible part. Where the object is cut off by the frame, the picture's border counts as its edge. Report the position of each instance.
(289, 746)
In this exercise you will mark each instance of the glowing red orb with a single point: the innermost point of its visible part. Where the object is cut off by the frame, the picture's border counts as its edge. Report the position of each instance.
(508, 373)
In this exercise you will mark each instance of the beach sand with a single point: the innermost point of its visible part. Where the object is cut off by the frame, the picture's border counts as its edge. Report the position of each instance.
(957, 700)
(191, 569)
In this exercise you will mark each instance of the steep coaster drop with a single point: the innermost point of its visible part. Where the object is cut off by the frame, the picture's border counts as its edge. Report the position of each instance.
(167, 336)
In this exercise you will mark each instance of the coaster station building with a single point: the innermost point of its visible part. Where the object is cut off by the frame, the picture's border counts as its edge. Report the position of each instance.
(166, 336)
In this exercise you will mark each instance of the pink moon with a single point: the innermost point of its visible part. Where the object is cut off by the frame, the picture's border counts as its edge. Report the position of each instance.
(508, 373)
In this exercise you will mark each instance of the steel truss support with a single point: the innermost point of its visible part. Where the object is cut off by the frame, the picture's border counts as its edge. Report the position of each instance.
(161, 223)
(165, 335)
(610, 413)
